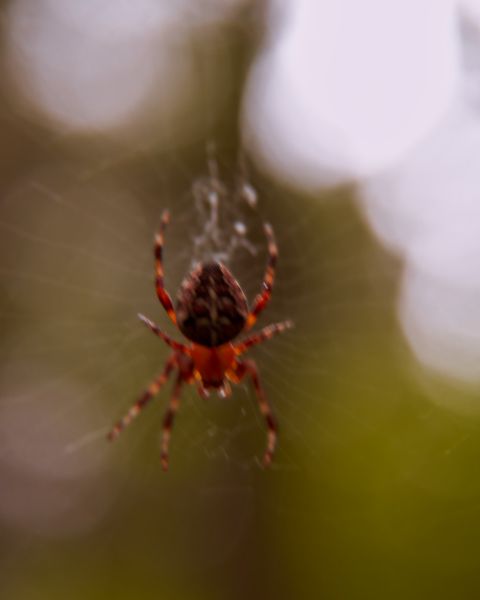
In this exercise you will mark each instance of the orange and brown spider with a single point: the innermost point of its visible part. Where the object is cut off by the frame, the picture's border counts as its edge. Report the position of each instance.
(211, 311)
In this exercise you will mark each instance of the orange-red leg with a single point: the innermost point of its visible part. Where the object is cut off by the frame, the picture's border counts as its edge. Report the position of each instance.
(143, 400)
(249, 367)
(166, 338)
(168, 420)
(263, 299)
(158, 251)
(256, 338)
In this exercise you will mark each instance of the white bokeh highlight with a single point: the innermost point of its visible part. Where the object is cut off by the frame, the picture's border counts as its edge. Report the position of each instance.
(427, 210)
(93, 66)
(347, 88)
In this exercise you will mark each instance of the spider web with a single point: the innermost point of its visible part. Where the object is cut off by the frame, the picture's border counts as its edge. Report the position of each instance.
(366, 468)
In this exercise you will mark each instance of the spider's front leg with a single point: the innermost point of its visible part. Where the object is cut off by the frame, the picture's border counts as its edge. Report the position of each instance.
(186, 374)
(262, 300)
(248, 367)
(158, 251)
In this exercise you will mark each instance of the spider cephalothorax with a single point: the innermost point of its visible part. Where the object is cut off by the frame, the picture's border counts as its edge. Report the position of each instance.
(211, 311)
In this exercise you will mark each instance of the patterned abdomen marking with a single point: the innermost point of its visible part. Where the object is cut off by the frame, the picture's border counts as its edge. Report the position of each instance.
(211, 308)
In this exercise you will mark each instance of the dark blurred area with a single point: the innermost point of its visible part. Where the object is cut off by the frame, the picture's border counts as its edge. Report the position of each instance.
(109, 115)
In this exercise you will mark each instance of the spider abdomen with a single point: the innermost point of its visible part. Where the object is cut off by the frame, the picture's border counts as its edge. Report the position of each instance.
(212, 308)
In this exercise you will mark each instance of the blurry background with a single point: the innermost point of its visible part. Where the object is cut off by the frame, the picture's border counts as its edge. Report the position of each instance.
(353, 126)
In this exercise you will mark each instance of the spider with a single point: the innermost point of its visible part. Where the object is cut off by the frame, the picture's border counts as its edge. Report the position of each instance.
(211, 311)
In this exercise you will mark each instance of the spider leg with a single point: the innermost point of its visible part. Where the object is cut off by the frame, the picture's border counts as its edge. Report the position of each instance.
(249, 367)
(263, 298)
(166, 338)
(168, 420)
(158, 251)
(252, 370)
(143, 400)
(256, 338)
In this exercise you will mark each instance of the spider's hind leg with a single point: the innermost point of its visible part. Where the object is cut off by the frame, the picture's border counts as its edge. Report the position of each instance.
(168, 420)
(143, 400)
(248, 367)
